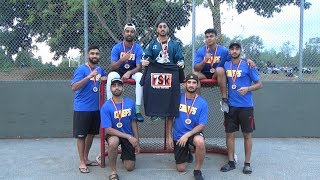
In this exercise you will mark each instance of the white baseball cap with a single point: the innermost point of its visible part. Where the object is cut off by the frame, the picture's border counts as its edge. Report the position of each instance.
(130, 25)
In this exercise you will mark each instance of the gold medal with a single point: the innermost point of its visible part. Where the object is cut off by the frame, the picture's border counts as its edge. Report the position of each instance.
(95, 89)
(188, 121)
(127, 66)
(233, 86)
(212, 70)
(119, 125)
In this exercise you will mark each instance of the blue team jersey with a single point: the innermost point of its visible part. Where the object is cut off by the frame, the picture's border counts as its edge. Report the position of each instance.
(154, 51)
(84, 98)
(198, 115)
(135, 57)
(221, 56)
(245, 77)
(110, 116)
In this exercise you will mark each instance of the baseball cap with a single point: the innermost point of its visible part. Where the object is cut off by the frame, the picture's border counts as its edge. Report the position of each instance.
(116, 80)
(129, 25)
(192, 76)
(234, 44)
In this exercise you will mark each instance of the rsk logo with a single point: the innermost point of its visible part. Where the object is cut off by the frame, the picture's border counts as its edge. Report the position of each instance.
(161, 80)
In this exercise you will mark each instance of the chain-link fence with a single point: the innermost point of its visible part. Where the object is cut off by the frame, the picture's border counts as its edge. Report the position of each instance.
(43, 40)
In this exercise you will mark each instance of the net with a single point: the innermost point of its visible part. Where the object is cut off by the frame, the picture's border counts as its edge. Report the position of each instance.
(152, 135)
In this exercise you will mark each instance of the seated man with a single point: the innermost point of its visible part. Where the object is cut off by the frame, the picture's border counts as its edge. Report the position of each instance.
(117, 117)
(209, 62)
(188, 127)
(125, 62)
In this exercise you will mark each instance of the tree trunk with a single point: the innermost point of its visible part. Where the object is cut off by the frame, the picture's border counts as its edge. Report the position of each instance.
(216, 18)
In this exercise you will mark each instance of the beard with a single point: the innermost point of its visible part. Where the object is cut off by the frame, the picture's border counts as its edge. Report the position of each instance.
(94, 60)
(117, 93)
(191, 90)
(129, 39)
(235, 56)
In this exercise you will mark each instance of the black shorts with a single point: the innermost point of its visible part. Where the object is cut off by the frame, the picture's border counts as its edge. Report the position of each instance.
(85, 122)
(181, 154)
(121, 73)
(242, 116)
(127, 150)
(208, 75)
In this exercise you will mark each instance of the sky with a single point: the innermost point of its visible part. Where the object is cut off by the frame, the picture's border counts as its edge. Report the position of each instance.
(274, 31)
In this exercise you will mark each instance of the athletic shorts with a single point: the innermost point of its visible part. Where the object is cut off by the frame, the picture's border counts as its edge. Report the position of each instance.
(127, 150)
(208, 75)
(239, 116)
(85, 122)
(181, 154)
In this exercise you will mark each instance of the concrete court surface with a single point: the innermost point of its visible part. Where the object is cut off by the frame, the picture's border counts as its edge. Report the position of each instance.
(56, 158)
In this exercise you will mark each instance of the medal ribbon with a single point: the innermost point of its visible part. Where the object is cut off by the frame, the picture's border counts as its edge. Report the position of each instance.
(124, 49)
(167, 46)
(115, 107)
(212, 60)
(234, 75)
(94, 79)
(193, 101)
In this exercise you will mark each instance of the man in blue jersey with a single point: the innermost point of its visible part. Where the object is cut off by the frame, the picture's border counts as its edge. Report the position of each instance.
(165, 63)
(125, 62)
(118, 118)
(209, 62)
(188, 127)
(86, 118)
(241, 82)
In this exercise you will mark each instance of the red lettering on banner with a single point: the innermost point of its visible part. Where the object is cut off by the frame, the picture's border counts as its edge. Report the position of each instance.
(161, 80)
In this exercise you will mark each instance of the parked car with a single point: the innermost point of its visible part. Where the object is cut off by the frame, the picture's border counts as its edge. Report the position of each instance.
(275, 70)
(306, 70)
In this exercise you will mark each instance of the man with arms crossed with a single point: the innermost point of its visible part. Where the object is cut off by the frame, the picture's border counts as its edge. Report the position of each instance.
(86, 118)
(125, 62)
(188, 127)
(118, 118)
(241, 82)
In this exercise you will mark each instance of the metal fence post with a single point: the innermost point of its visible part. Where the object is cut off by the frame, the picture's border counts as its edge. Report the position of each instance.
(85, 29)
(301, 39)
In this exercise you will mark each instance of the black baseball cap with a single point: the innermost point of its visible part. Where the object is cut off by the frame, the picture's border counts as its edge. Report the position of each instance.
(116, 80)
(192, 76)
(234, 44)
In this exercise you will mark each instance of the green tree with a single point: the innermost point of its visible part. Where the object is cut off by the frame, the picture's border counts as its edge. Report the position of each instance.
(25, 59)
(261, 8)
(5, 61)
(60, 22)
(312, 53)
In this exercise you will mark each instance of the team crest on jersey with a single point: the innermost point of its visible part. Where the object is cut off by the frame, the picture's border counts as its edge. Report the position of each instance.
(98, 76)
(124, 113)
(230, 73)
(183, 108)
(161, 80)
(131, 58)
(154, 47)
(214, 59)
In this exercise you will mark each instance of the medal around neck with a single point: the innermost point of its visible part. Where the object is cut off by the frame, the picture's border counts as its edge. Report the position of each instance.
(119, 125)
(212, 70)
(95, 89)
(233, 86)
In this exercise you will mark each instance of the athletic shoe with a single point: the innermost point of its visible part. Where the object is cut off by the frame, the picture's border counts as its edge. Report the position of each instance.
(227, 167)
(139, 117)
(224, 105)
(197, 175)
(247, 170)
(155, 119)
